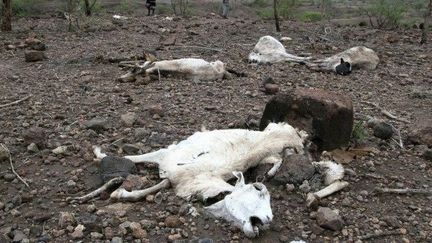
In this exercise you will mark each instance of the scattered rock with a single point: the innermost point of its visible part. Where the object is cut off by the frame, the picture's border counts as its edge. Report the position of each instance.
(421, 134)
(91, 208)
(66, 219)
(118, 209)
(428, 154)
(19, 236)
(116, 240)
(35, 135)
(134, 182)
(129, 118)
(130, 149)
(327, 116)
(96, 235)
(156, 109)
(140, 133)
(172, 221)
(60, 150)
(34, 56)
(329, 219)
(304, 187)
(271, 88)
(383, 130)
(9, 177)
(174, 237)
(112, 167)
(78, 232)
(97, 124)
(137, 231)
(4, 154)
(33, 148)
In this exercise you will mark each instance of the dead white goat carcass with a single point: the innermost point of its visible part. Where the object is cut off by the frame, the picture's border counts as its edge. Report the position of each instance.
(201, 165)
(190, 68)
(342, 63)
(270, 50)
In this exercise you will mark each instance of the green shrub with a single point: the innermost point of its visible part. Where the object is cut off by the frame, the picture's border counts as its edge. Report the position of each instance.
(359, 132)
(21, 8)
(310, 16)
(386, 13)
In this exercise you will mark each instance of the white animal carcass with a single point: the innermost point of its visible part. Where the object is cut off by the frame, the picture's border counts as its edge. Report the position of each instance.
(270, 50)
(342, 63)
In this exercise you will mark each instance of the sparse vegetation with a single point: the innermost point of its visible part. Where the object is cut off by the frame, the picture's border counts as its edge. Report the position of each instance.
(386, 13)
(359, 132)
(310, 16)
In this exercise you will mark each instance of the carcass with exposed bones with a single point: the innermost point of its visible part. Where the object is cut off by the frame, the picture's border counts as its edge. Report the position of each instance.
(342, 63)
(201, 165)
(270, 50)
(190, 68)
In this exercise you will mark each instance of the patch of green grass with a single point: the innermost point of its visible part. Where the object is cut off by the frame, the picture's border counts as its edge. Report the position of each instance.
(359, 131)
(310, 16)
(164, 9)
(265, 13)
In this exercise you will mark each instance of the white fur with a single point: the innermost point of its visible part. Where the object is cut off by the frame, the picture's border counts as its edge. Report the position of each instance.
(190, 68)
(270, 50)
(359, 57)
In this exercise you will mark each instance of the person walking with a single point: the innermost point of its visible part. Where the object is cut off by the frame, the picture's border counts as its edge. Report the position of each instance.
(151, 6)
(225, 8)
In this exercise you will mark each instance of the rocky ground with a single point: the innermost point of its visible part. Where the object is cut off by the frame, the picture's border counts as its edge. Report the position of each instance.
(50, 139)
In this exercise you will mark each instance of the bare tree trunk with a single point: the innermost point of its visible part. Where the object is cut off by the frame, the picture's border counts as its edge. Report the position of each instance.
(276, 16)
(87, 7)
(7, 16)
(425, 30)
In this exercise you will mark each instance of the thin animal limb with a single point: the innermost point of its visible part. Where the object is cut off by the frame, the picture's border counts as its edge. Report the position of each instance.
(275, 168)
(154, 157)
(111, 183)
(122, 194)
(400, 143)
(313, 198)
(385, 112)
(12, 166)
(403, 191)
(16, 102)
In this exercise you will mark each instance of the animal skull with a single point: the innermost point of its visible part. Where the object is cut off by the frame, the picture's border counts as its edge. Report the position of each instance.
(247, 206)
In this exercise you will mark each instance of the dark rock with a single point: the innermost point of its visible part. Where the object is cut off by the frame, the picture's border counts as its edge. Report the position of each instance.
(112, 167)
(4, 154)
(329, 219)
(36, 135)
(96, 124)
(18, 236)
(271, 88)
(130, 149)
(428, 154)
(421, 134)
(8, 177)
(383, 130)
(34, 56)
(294, 170)
(326, 116)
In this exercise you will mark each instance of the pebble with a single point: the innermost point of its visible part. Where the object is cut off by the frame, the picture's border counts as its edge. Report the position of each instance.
(329, 219)
(137, 231)
(78, 232)
(66, 219)
(18, 236)
(60, 150)
(116, 240)
(128, 119)
(71, 183)
(33, 148)
(91, 208)
(8, 177)
(96, 235)
(174, 237)
(290, 187)
(305, 187)
(172, 221)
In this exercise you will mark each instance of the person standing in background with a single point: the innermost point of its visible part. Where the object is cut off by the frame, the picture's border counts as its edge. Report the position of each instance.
(225, 8)
(151, 6)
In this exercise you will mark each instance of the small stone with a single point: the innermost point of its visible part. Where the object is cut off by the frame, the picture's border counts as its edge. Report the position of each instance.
(128, 119)
(305, 187)
(156, 109)
(329, 219)
(14, 212)
(140, 133)
(10, 47)
(428, 155)
(34, 56)
(137, 231)
(58, 233)
(172, 221)
(148, 224)
(174, 237)
(271, 88)
(35, 135)
(96, 235)
(116, 240)
(4, 154)
(66, 219)
(60, 150)
(289, 187)
(9, 177)
(383, 130)
(91, 208)
(33, 148)
(96, 124)
(150, 198)
(109, 233)
(19, 236)
(130, 148)
(71, 183)
(78, 232)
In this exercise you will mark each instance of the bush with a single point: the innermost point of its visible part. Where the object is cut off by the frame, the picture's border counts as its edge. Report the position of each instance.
(386, 13)
(310, 16)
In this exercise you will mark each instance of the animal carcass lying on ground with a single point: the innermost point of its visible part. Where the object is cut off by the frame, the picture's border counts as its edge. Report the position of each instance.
(191, 68)
(343, 62)
(270, 50)
(201, 165)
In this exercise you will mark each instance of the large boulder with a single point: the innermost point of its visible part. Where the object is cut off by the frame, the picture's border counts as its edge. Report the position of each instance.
(326, 116)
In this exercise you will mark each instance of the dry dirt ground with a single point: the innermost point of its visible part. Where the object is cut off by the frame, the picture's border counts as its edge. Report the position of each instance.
(77, 83)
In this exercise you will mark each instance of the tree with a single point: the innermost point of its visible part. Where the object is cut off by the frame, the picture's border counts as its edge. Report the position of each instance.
(276, 16)
(6, 24)
(426, 23)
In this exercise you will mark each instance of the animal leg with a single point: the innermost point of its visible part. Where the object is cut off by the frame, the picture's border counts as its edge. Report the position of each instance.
(276, 161)
(122, 194)
(154, 157)
(95, 193)
(313, 198)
